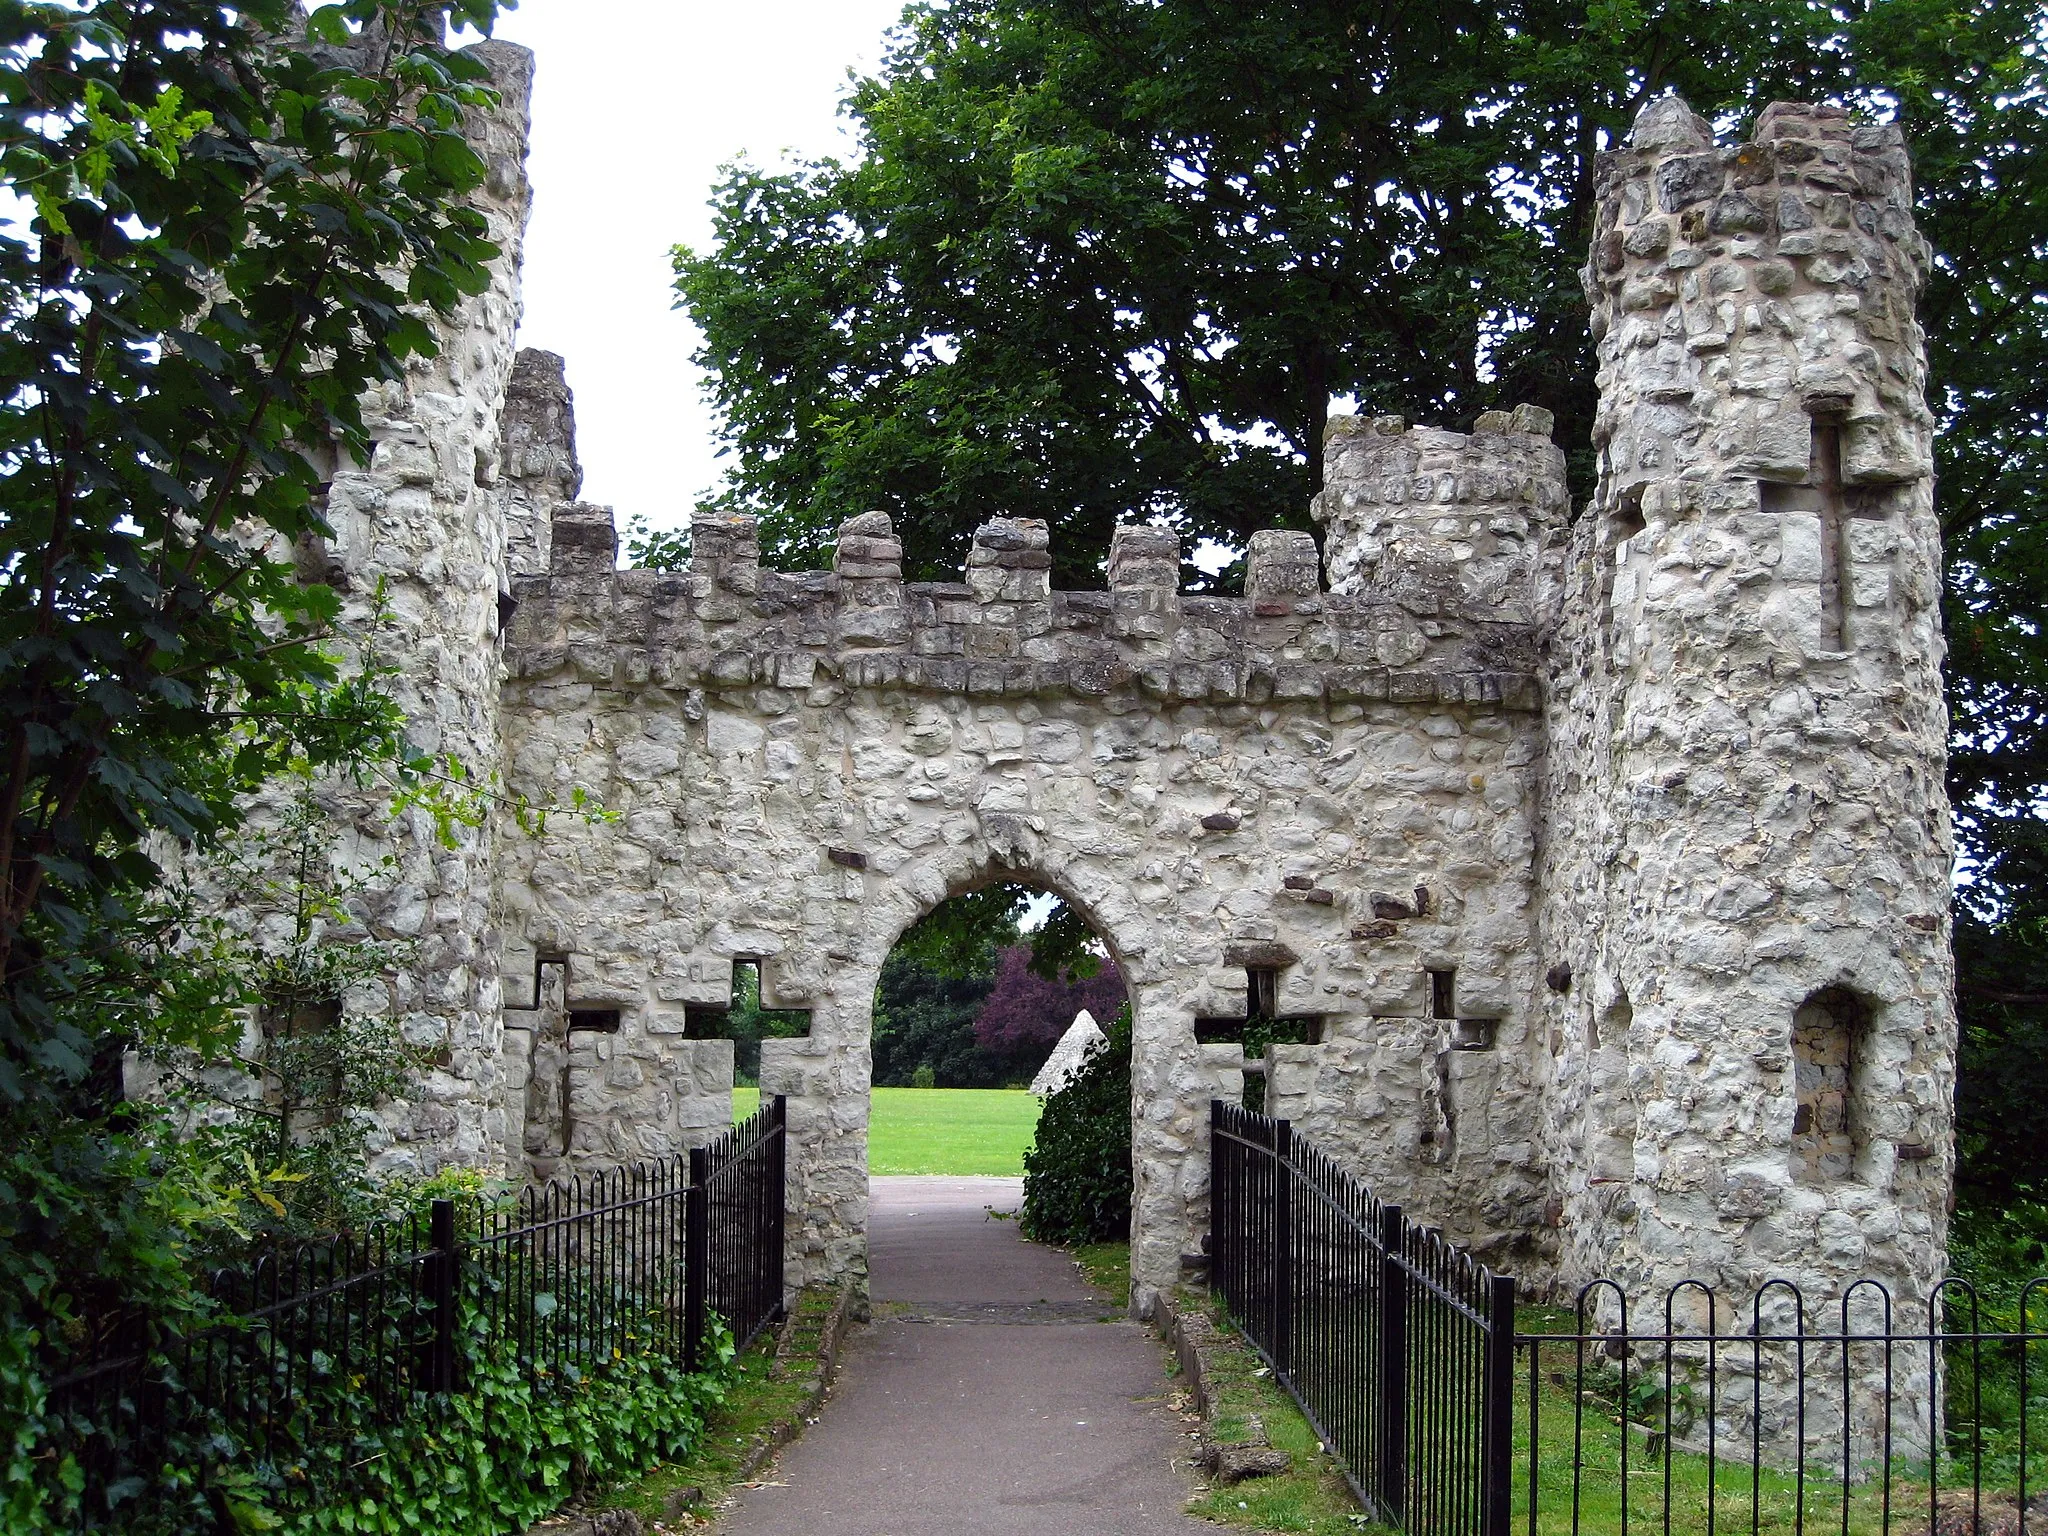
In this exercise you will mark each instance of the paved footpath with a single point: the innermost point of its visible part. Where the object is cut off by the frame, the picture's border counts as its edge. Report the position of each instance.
(994, 1393)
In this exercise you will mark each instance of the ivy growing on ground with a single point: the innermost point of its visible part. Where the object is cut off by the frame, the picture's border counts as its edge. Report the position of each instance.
(504, 1451)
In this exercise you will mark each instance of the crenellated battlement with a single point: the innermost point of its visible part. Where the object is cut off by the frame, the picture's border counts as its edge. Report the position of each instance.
(1441, 521)
(728, 623)
(1433, 541)
(1742, 293)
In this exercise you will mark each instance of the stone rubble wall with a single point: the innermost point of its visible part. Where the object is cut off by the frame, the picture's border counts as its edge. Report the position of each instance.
(418, 528)
(1552, 824)
(804, 764)
(539, 470)
(1743, 783)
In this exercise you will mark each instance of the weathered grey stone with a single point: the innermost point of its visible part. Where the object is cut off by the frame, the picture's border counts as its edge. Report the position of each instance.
(1662, 778)
(1745, 740)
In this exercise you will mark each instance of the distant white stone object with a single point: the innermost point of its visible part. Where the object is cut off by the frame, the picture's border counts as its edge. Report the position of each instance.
(1067, 1056)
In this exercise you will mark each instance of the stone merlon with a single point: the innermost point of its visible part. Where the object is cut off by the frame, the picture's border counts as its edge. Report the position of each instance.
(1434, 538)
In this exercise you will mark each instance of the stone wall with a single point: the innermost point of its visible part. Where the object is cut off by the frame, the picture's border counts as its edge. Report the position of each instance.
(417, 556)
(1744, 812)
(421, 522)
(805, 764)
(1607, 854)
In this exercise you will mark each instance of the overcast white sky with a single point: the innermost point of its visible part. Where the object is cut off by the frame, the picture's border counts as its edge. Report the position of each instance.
(636, 105)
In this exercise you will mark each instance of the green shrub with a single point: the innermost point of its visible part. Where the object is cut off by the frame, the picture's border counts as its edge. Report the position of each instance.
(924, 1076)
(1998, 1252)
(1077, 1175)
(505, 1451)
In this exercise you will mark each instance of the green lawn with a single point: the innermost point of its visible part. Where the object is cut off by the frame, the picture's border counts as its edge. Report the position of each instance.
(940, 1130)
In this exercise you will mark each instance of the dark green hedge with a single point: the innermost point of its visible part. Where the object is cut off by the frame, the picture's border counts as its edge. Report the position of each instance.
(1077, 1175)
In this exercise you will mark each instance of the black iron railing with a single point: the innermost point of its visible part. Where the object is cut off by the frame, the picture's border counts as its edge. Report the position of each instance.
(561, 1281)
(1780, 1414)
(1451, 1417)
(1392, 1339)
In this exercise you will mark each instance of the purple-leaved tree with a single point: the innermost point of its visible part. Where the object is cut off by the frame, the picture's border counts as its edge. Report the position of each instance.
(1026, 1014)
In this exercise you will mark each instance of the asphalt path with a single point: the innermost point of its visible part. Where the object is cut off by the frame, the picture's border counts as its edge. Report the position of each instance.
(994, 1392)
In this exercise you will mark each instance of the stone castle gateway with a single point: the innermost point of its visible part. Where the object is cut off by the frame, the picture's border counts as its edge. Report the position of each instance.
(1606, 846)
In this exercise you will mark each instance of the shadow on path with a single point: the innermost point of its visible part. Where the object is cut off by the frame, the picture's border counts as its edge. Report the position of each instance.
(994, 1393)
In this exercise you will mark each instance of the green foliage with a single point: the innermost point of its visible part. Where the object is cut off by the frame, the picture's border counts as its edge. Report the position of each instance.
(1999, 1252)
(244, 218)
(1077, 1175)
(924, 1028)
(2002, 1078)
(1106, 259)
(960, 936)
(1100, 259)
(767, 1397)
(656, 549)
(504, 1453)
(506, 1450)
(234, 239)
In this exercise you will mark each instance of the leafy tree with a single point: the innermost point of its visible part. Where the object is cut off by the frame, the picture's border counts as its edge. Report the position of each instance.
(924, 1023)
(961, 935)
(1102, 259)
(1026, 1013)
(242, 221)
(1109, 258)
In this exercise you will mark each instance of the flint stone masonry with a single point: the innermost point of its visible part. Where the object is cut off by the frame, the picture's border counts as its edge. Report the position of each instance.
(417, 556)
(1744, 812)
(1083, 742)
(422, 518)
(1551, 828)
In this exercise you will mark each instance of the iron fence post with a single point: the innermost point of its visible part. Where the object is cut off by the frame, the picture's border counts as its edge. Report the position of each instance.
(778, 1203)
(441, 1273)
(1497, 1404)
(1391, 1484)
(1219, 1265)
(696, 1256)
(1283, 1252)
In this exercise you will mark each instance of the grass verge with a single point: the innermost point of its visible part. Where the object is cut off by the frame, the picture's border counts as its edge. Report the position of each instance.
(940, 1130)
(1311, 1496)
(1666, 1489)
(765, 1403)
(1107, 1267)
(1622, 1457)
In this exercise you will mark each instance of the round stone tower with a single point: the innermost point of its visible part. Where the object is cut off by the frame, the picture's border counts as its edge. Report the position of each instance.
(1747, 855)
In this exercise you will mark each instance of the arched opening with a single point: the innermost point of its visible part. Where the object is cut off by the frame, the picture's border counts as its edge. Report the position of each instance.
(996, 1003)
